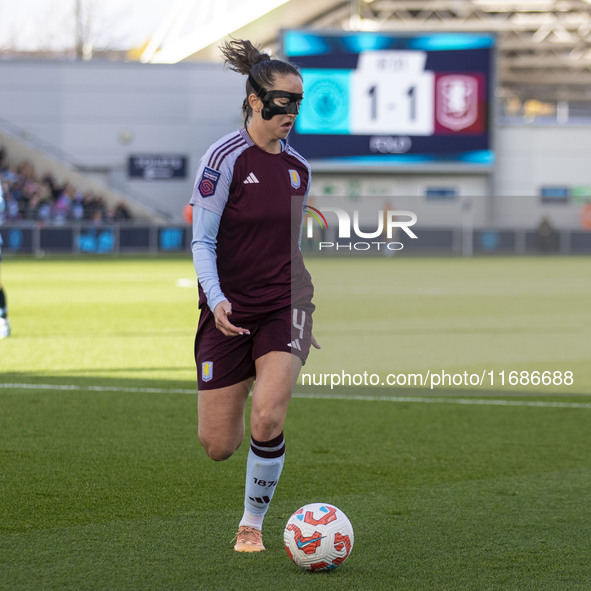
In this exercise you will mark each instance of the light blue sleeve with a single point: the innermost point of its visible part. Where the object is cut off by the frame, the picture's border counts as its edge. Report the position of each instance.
(206, 225)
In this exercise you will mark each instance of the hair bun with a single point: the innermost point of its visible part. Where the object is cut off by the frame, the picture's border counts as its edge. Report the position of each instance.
(241, 55)
(257, 56)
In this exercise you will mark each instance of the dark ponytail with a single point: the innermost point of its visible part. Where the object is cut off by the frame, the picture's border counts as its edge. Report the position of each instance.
(243, 57)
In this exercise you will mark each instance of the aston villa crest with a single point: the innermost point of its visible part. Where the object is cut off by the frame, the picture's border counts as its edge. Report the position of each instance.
(457, 101)
(294, 177)
(207, 371)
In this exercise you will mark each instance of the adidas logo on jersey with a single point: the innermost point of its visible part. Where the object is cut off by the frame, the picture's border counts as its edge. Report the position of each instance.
(295, 345)
(250, 179)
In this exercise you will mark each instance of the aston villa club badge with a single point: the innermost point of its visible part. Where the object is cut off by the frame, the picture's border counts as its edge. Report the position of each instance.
(207, 371)
(457, 101)
(294, 178)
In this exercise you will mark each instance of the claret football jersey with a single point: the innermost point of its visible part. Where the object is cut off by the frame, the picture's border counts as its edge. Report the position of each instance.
(260, 198)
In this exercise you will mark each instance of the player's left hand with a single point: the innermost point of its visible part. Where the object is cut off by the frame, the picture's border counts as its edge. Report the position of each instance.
(315, 343)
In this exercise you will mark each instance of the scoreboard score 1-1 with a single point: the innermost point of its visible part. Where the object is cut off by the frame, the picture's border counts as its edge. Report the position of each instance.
(374, 98)
(392, 93)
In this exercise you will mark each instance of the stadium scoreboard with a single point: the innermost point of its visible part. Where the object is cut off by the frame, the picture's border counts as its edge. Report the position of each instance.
(393, 99)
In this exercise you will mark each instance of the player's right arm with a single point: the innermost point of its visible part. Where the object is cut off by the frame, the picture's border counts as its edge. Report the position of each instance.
(210, 195)
(205, 230)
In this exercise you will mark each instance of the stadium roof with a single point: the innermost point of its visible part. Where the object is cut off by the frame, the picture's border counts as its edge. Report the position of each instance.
(544, 46)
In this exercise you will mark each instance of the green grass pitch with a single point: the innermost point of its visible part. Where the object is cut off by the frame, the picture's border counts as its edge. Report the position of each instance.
(482, 487)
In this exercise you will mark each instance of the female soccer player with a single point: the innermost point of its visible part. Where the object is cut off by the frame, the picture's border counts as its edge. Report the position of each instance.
(4, 324)
(255, 295)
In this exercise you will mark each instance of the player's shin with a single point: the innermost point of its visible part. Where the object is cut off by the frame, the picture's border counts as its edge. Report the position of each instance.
(263, 468)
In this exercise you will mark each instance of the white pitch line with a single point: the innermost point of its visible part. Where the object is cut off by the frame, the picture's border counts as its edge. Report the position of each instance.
(76, 388)
(407, 399)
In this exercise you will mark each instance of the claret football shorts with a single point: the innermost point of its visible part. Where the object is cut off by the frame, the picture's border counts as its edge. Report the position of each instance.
(224, 361)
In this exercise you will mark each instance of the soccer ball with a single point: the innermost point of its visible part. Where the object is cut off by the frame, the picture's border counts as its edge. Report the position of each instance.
(318, 537)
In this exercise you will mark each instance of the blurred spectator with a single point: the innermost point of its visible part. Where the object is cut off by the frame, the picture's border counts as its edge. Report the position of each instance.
(45, 200)
(122, 213)
(547, 237)
(63, 204)
(78, 207)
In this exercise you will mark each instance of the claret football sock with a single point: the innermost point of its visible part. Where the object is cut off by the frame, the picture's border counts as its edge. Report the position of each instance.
(263, 468)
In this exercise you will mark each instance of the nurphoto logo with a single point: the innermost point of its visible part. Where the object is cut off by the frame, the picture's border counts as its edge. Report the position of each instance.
(349, 234)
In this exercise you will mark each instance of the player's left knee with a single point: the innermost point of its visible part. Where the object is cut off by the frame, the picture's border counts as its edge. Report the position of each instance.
(266, 425)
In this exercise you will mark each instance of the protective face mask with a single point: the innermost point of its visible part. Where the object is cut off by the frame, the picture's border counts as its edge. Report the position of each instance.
(269, 98)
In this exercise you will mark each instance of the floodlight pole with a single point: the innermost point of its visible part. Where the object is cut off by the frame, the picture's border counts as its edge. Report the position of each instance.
(467, 226)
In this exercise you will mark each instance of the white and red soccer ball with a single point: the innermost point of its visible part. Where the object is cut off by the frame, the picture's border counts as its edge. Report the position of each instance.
(318, 537)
